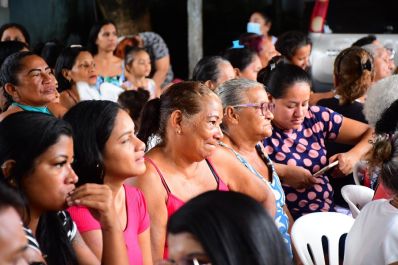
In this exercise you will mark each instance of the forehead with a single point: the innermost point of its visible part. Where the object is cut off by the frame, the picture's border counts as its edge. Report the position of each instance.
(12, 30)
(84, 55)
(123, 123)
(209, 104)
(303, 50)
(257, 17)
(108, 27)
(33, 61)
(256, 94)
(141, 54)
(298, 91)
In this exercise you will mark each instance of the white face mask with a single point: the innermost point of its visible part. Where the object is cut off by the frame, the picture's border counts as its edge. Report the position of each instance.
(253, 27)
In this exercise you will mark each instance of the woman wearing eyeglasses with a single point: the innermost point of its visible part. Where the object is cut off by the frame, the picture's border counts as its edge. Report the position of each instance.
(188, 161)
(299, 136)
(75, 64)
(247, 120)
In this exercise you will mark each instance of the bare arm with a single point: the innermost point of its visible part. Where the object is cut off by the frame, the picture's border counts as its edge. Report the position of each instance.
(162, 66)
(240, 179)
(83, 253)
(155, 196)
(144, 240)
(93, 239)
(352, 132)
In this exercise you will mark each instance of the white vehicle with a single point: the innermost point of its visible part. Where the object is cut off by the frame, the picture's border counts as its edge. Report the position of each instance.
(342, 17)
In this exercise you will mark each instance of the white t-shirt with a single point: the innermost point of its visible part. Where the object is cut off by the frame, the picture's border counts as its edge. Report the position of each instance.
(373, 239)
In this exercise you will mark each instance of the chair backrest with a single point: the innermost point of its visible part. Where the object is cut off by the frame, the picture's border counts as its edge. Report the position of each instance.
(356, 196)
(308, 231)
(358, 171)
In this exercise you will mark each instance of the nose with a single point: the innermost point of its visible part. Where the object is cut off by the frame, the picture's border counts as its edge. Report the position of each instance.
(269, 115)
(72, 177)
(140, 145)
(219, 135)
(48, 77)
(299, 111)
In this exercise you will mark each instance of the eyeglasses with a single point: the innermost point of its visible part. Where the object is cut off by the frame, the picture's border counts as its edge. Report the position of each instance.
(391, 53)
(265, 107)
(187, 261)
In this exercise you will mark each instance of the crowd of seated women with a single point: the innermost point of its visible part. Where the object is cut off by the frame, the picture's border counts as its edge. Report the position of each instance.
(104, 160)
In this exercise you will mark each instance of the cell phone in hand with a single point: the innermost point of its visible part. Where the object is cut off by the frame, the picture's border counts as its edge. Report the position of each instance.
(326, 168)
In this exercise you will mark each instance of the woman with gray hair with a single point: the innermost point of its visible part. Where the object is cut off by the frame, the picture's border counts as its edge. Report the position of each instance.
(380, 215)
(382, 62)
(247, 121)
(379, 98)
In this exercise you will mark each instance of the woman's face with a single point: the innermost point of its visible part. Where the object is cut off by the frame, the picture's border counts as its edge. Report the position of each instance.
(226, 72)
(291, 109)
(267, 52)
(264, 25)
(184, 248)
(202, 131)
(257, 123)
(107, 38)
(36, 83)
(382, 64)
(123, 153)
(141, 65)
(52, 178)
(13, 241)
(301, 58)
(251, 71)
(13, 34)
(84, 69)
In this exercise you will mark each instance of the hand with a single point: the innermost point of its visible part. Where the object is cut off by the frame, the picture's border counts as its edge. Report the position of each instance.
(99, 199)
(347, 162)
(299, 177)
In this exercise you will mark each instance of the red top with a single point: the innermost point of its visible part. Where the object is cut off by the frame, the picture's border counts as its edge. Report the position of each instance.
(173, 203)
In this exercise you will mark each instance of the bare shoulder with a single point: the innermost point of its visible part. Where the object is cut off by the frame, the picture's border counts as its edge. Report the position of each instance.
(150, 181)
(9, 111)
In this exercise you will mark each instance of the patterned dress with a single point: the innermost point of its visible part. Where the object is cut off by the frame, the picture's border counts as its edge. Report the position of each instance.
(305, 147)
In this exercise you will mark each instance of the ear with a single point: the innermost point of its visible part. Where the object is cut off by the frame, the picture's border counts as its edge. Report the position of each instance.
(210, 84)
(237, 72)
(231, 115)
(66, 73)
(6, 169)
(270, 98)
(11, 90)
(176, 120)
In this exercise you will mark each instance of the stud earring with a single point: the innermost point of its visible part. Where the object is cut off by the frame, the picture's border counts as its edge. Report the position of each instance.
(178, 131)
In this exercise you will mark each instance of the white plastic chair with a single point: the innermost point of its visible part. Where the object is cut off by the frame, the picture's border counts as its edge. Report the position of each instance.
(307, 233)
(358, 169)
(356, 196)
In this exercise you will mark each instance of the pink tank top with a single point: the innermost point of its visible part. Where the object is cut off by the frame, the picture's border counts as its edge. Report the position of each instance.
(173, 203)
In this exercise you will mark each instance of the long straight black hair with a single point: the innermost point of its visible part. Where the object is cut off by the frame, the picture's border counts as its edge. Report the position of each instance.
(24, 136)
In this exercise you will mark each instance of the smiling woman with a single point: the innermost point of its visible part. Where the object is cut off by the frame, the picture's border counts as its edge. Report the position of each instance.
(29, 84)
(184, 163)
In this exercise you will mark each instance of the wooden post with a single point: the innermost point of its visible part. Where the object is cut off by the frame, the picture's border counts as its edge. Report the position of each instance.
(195, 33)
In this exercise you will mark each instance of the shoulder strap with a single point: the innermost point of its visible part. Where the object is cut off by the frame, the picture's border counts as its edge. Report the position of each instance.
(159, 173)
